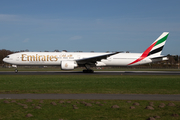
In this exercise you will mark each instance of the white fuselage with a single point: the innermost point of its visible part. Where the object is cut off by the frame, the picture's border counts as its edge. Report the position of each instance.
(55, 58)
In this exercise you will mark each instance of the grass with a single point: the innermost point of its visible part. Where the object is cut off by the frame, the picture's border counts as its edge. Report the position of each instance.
(107, 84)
(15, 110)
(18, 109)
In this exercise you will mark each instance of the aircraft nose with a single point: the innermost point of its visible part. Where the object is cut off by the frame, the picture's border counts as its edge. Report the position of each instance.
(4, 60)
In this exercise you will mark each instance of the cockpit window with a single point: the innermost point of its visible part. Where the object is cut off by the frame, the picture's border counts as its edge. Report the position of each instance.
(7, 56)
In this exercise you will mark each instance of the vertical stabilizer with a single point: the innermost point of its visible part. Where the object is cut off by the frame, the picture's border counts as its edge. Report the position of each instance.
(158, 45)
(155, 49)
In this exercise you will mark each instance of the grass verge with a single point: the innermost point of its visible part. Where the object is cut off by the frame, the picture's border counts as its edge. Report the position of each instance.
(106, 84)
(88, 110)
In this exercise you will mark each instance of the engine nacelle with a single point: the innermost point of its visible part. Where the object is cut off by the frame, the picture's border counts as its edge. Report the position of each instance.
(68, 65)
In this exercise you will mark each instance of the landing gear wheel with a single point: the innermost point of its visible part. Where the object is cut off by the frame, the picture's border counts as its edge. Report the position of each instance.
(16, 71)
(88, 71)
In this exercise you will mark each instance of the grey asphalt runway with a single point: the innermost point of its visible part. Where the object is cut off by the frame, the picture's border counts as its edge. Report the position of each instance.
(95, 73)
(93, 96)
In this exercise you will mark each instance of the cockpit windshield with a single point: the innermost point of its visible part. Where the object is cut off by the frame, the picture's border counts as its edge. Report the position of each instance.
(7, 57)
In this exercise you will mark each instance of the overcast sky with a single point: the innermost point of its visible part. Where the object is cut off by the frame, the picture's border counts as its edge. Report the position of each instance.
(88, 25)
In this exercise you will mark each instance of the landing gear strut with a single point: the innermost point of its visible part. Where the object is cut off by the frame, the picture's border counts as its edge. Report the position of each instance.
(88, 70)
(15, 66)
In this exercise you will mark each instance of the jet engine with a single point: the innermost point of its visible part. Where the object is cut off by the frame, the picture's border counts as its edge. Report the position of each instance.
(68, 65)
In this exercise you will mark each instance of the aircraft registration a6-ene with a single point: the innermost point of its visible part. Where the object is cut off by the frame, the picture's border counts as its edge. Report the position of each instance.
(71, 60)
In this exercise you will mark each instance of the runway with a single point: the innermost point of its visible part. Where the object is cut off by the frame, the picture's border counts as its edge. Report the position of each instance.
(93, 96)
(95, 73)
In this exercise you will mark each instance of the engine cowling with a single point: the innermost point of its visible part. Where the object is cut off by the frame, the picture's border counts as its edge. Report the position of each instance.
(68, 65)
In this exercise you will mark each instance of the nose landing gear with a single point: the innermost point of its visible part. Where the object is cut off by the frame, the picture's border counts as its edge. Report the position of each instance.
(16, 70)
(15, 66)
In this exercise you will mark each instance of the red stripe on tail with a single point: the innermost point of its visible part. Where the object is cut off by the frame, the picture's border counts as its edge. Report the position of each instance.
(144, 55)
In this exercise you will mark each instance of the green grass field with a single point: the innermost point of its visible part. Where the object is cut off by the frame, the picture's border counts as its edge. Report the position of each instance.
(86, 110)
(107, 84)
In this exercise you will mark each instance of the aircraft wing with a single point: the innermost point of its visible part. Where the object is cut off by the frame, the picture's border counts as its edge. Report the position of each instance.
(93, 60)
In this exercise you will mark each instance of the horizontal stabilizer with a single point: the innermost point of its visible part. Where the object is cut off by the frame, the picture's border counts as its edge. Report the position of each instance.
(161, 58)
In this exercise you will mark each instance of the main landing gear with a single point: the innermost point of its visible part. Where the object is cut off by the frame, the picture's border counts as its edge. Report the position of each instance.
(88, 70)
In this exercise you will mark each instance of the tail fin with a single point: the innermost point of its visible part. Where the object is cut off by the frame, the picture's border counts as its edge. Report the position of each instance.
(155, 49)
(158, 45)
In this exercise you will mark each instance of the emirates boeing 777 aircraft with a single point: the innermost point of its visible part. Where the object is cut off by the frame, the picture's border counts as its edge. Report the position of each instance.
(71, 60)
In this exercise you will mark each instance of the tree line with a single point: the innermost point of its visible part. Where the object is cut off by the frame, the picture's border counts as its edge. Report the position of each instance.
(3, 54)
